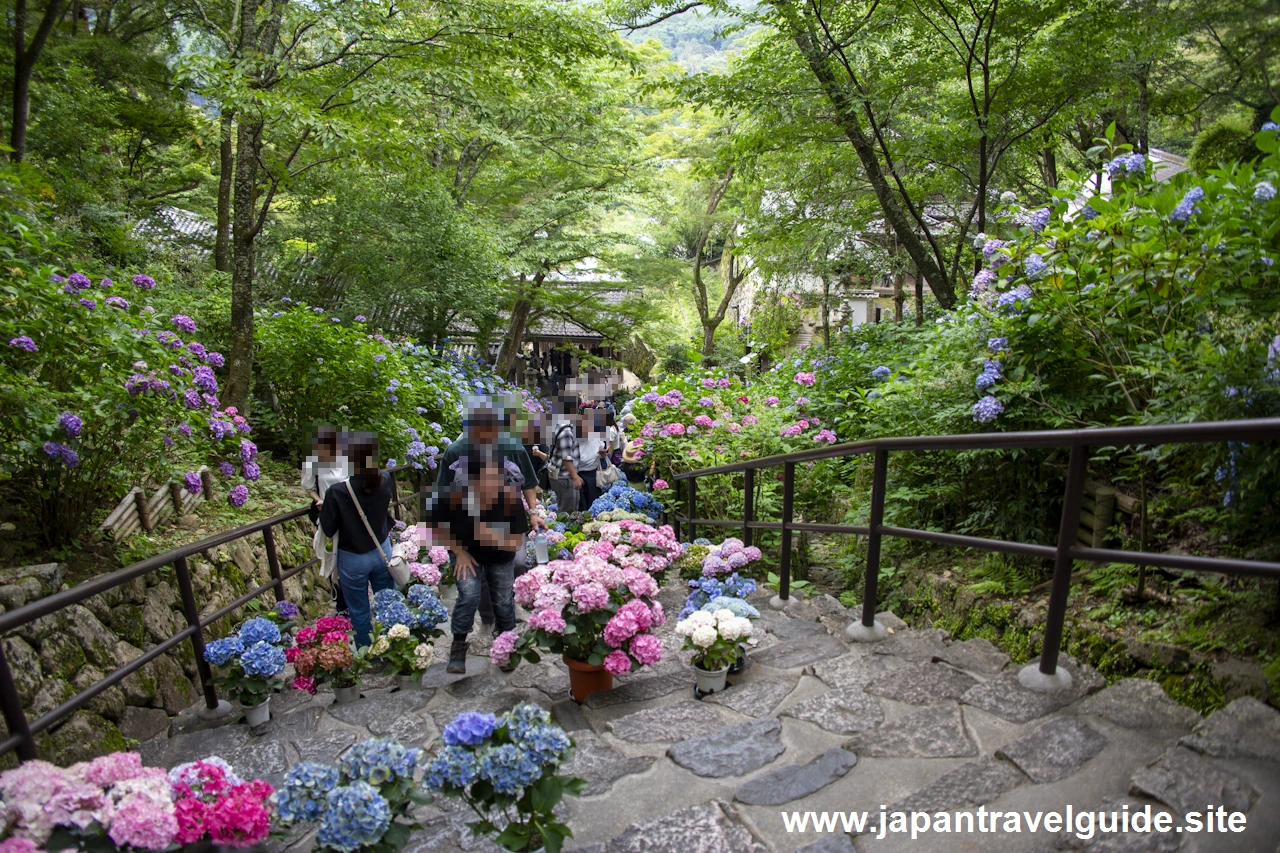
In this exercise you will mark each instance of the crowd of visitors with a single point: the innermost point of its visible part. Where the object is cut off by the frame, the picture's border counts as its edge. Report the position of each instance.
(492, 484)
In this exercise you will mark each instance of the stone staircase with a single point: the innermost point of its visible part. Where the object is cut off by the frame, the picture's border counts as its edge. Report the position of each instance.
(917, 722)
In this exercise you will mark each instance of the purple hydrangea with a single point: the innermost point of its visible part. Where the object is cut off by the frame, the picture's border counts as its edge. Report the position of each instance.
(984, 381)
(118, 302)
(706, 401)
(89, 303)
(1269, 127)
(204, 379)
(238, 496)
(221, 429)
(469, 728)
(56, 450)
(1010, 299)
(197, 349)
(215, 359)
(881, 372)
(991, 247)
(1187, 207)
(24, 342)
(1088, 213)
(1273, 359)
(248, 450)
(227, 469)
(998, 344)
(168, 442)
(318, 310)
(250, 470)
(79, 281)
(210, 401)
(71, 424)
(106, 284)
(286, 300)
(982, 281)
(177, 370)
(183, 322)
(185, 429)
(1034, 266)
(145, 282)
(191, 399)
(1040, 219)
(987, 410)
(192, 482)
(360, 318)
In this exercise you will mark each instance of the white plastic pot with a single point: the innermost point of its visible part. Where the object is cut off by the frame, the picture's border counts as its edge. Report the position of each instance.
(710, 680)
(256, 715)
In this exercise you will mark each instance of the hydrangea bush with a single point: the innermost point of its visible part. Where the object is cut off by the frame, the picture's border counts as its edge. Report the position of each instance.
(324, 653)
(250, 663)
(506, 769)
(212, 802)
(100, 392)
(716, 637)
(404, 627)
(362, 804)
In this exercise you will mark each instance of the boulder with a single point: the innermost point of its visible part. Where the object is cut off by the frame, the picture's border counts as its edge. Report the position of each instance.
(98, 643)
(24, 663)
(139, 687)
(109, 703)
(142, 724)
(158, 615)
(48, 577)
(83, 736)
(61, 655)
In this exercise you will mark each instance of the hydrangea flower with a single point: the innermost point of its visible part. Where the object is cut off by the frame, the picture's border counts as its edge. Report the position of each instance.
(221, 652)
(1040, 219)
(251, 471)
(453, 767)
(24, 343)
(998, 344)
(144, 282)
(469, 728)
(1264, 191)
(203, 378)
(262, 660)
(356, 816)
(987, 409)
(215, 359)
(1188, 206)
(89, 303)
(805, 379)
(1269, 127)
(259, 630)
(304, 797)
(1034, 266)
(982, 281)
(184, 323)
(381, 761)
(1010, 300)
(192, 482)
(880, 372)
(238, 496)
(71, 424)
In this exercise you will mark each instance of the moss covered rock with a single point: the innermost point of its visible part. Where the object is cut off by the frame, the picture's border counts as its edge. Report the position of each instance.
(83, 736)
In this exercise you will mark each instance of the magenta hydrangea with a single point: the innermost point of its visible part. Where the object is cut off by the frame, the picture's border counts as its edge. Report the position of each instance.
(617, 662)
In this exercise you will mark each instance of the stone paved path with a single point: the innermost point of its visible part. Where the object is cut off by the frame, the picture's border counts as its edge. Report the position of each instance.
(815, 723)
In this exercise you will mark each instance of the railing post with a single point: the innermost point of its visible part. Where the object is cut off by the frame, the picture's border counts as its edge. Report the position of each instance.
(781, 600)
(192, 612)
(1047, 677)
(273, 562)
(748, 503)
(867, 629)
(14, 715)
(206, 484)
(693, 508)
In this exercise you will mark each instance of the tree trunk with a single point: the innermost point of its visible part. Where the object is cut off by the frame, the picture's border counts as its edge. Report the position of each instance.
(898, 296)
(24, 63)
(514, 340)
(846, 117)
(709, 342)
(243, 247)
(919, 299)
(1050, 165)
(226, 174)
(826, 311)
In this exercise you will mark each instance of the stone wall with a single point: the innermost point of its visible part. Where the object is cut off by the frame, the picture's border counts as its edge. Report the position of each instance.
(59, 655)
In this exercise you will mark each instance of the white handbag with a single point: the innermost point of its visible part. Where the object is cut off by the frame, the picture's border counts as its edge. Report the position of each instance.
(326, 551)
(397, 565)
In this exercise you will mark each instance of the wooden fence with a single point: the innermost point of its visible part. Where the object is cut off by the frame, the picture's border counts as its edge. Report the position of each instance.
(138, 511)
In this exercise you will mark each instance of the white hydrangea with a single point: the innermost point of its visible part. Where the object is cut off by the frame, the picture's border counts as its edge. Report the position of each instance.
(381, 646)
(697, 619)
(734, 627)
(425, 650)
(703, 636)
(398, 632)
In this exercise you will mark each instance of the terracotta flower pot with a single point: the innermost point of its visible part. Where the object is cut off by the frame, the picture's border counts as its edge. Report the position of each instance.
(585, 679)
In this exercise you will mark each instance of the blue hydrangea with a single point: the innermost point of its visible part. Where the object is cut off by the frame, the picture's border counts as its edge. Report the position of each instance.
(736, 606)
(985, 380)
(379, 761)
(706, 589)
(509, 769)
(470, 728)
(259, 630)
(431, 611)
(1088, 213)
(998, 344)
(1040, 219)
(304, 797)
(1034, 266)
(221, 652)
(1264, 191)
(992, 365)
(880, 372)
(545, 744)
(394, 613)
(1010, 301)
(523, 719)
(453, 766)
(1269, 127)
(987, 410)
(262, 660)
(356, 816)
(1187, 207)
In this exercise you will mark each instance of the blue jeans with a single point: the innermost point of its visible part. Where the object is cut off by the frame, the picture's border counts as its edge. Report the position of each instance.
(356, 573)
(500, 577)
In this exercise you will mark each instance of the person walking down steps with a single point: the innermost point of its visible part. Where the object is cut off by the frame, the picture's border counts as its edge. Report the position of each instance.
(354, 510)
(483, 523)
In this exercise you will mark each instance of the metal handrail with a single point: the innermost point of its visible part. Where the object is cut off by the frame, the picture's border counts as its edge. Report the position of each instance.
(22, 731)
(1079, 441)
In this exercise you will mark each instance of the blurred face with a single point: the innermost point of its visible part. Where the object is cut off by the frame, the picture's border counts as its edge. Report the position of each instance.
(484, 431)
(489, 483)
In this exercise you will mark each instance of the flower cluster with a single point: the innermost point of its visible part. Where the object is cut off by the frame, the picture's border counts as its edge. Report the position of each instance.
(211, 801)
(716, 637)
(704, 590)
(252, 659)
(624, 497)
(323, 653)
(729, 556)
(493, 763)
(112, 796)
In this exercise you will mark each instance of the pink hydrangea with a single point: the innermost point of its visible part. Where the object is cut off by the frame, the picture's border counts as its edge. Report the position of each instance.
(674, 429)
(639, 582)
(503, 646)
(144, 818)
(109, 769)
(241, 818)
(801, 402)
(647, 649)
(803, 424)
(722, 383)
(793, 430)
(305, 682)
(733, 427)
(703, 422)
(19, 845)
(826, 436)
(526, 586)
(617, 662)
(438, 555)
(611, 532)
(426, 573)
(771, 401)
(590, 596)
(659, 615)
(660, 484)
(803, 378)
(753, 553)
(638, 612)
(649, 430)
(750, 420)
(552, 597)
(191, 815)
(547, 620)
(306, 636)
(708, 383)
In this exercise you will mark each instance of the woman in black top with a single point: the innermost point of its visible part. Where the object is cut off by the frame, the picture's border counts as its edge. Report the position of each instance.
(483, 523)
(360, 566)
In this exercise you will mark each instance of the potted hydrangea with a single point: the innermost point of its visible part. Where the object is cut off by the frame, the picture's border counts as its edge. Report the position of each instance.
(212, 803)
(404, 627)
(716, 640)
(325, 654)
(250, 666)
(363, 804)
(597, 615)
(506, 770)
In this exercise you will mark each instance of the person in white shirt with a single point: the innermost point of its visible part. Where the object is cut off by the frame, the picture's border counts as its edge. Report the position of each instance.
(326, 467)
(591, 454)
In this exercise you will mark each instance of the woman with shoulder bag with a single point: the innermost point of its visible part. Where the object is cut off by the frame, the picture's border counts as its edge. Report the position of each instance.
(360, 514)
